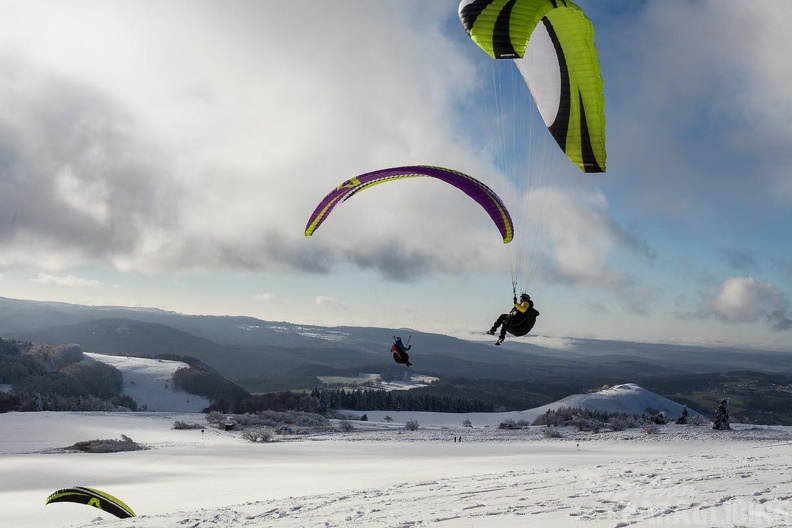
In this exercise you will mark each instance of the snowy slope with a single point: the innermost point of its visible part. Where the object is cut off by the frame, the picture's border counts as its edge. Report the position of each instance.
(450, 475)
(381, 475)
(627, 398)
(148, 382)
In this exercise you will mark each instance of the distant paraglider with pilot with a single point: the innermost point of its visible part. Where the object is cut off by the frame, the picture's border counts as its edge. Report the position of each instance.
(399, 350)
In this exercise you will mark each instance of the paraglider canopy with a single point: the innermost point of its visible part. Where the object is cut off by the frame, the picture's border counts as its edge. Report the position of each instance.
(479, 192)
(92, 497)
(552, 43)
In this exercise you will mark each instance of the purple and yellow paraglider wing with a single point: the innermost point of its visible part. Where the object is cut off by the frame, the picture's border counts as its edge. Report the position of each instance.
(479, 192)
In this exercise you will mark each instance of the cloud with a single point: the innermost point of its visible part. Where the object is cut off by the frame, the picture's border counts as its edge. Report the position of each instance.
(745, 300)
(331, 303)
(81, 186)
(270, 298)
(266, 297)
(68, 280)
(698, 107)
(581, 238)
(205, 146)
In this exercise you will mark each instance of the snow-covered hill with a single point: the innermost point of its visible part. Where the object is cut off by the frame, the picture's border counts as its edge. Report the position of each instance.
(627, 398)
(148, 382)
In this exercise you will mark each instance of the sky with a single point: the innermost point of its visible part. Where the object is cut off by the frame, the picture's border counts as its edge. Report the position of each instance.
(169, 154)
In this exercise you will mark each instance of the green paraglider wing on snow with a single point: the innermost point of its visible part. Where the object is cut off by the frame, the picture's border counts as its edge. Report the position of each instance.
(92, 497)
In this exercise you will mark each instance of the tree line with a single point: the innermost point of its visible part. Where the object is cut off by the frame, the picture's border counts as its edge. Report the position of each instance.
(382, 400)
(320, 401)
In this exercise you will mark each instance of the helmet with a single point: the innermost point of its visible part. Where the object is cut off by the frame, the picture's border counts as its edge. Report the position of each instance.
(398, 339)
(525, 297)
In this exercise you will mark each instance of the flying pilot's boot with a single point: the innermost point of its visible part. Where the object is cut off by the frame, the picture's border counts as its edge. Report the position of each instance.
(499, 341)
(491, 331)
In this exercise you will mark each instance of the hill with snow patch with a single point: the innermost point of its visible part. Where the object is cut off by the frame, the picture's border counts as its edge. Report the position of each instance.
(148, 382)
(627, 398)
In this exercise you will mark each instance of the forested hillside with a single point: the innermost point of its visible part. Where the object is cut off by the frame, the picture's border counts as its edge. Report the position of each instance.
(45, 377)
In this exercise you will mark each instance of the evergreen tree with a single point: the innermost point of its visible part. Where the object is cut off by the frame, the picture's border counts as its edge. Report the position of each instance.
(683, 418)
(721, 422)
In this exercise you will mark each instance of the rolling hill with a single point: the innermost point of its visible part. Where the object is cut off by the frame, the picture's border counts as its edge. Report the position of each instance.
(265, 356)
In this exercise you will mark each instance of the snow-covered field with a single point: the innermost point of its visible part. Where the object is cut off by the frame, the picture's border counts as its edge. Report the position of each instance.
(382, 475)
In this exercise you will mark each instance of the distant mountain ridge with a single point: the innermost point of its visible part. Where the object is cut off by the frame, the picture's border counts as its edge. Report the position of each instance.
(119, 329)
(267, 356)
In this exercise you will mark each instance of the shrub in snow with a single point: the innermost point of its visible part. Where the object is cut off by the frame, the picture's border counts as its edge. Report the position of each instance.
(651, 428)
(659, 418)
(617, 423)
(587, 424)
(511, 424)
(550, 418)
(178, 424)
(467, 423)
(387, 419)
(215, 417)
(364, 418)
(721, 422)
(272, 419)
(346, 426)
(551, 432)
(247, 419)
(567, 413)
(411, 425)
(258, 434)
(106, 446)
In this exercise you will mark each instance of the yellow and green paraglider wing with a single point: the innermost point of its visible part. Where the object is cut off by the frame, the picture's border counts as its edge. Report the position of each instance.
(92, 497)
(552, 43)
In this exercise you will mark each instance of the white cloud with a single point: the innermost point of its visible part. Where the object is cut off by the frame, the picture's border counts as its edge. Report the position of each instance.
(580, 239)
(86, 197)
(332, 303)
(267, 297)
(198, 141)
(745, 300)
(67, 280)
